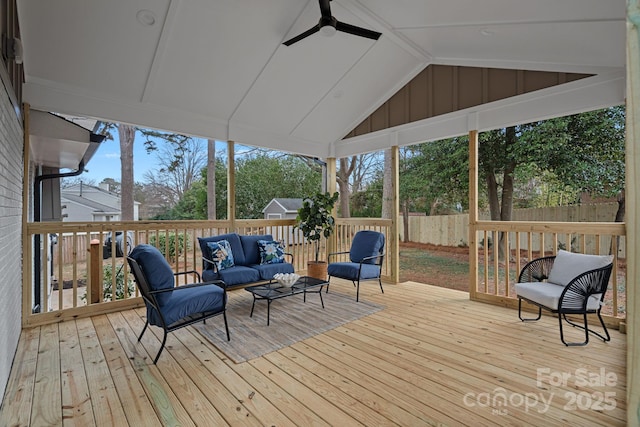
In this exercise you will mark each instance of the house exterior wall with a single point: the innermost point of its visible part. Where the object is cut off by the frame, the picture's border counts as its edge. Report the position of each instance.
(11, 172)
(76, 212)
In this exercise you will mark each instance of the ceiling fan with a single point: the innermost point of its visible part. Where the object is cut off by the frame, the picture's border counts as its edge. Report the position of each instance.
(328, 25)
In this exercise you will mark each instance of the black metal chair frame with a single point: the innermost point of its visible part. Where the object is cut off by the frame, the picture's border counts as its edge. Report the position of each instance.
(356, 283)
(150, 299)
(574, 297)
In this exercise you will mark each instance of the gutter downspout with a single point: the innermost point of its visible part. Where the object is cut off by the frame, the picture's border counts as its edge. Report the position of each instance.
(37, 215)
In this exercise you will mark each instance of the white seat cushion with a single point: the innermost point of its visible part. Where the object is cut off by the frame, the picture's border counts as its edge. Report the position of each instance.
(548, 294)
(567, 266)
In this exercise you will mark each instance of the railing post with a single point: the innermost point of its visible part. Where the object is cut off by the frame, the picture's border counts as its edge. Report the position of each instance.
(95, 271)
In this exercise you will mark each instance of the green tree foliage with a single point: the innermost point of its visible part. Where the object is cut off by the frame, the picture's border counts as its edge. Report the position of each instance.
(193, 204)
(435, 176)
(259, 178)
(262, 177)
(537, 164)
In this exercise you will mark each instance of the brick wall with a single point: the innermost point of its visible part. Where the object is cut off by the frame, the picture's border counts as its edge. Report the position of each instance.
(11, 173)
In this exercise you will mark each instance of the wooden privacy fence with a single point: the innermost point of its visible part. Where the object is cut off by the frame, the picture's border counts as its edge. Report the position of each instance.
(453, 230)
(69, 288)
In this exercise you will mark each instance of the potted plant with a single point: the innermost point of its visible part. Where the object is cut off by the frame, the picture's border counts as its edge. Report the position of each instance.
(315, 221)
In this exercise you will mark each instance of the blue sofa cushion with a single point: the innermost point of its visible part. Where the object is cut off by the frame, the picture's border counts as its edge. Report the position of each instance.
(271, 252)
(184, 302)
(251, 250)
(220, 252)
(234, 241)
(366, 243)
(349, 270)
(268, 270)
(156, 269)
(236, 275)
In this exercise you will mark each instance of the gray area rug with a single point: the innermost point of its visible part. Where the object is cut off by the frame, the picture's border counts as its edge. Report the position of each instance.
(292, 320)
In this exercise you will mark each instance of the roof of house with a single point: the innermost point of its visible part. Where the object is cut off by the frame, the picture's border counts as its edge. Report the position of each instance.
(95, 198)
(95, 206)
(289, 205)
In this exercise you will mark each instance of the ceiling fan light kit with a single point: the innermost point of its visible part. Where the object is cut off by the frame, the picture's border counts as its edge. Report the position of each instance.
(328, 26)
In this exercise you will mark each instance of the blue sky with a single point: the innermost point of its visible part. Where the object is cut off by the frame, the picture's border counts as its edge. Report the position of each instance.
(106, 161)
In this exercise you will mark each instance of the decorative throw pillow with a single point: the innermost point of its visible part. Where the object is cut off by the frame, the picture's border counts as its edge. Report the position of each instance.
(221, 254)
(271, 252)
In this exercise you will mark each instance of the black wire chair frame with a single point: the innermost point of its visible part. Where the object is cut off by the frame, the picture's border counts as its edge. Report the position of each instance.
(574, 298)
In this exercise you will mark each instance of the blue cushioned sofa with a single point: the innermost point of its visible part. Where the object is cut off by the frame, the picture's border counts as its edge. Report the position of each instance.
(247, 267)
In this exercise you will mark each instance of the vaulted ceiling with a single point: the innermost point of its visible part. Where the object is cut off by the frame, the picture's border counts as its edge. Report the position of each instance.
(218, 69)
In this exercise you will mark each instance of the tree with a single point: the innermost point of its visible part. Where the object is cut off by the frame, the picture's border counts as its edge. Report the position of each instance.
(126, 135)
(387, 186)
(180, 163)
(211, 183)
(261, 177)
(347, 166)
(76, 180)
(573, 154)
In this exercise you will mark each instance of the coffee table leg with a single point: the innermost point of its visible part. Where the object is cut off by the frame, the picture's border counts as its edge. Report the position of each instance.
(321, 300)
(253, 305)
(268, 311)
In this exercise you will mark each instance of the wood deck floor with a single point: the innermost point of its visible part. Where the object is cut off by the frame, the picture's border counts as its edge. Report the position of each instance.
(430, 357)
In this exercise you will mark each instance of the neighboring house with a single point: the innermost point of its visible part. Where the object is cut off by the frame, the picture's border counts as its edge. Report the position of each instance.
(86, 203)
(282, 208)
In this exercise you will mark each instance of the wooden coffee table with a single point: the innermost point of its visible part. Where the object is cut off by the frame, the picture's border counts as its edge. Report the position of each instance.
(274, 290)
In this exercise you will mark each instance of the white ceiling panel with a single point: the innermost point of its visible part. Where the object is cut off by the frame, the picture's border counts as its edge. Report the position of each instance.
(218, 69)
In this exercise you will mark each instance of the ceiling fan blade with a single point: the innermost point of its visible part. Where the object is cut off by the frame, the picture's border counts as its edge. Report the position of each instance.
(357, 31)
(299, 37)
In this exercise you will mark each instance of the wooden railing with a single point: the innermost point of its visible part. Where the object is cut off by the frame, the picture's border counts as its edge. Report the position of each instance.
(505, 247)
(77, 278)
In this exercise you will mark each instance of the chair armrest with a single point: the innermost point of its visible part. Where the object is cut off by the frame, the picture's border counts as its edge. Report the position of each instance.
(335, 254)
(199, 279)
(368, 258)
(208, 261)
(536, 270)
(219, 283)
(291, 255)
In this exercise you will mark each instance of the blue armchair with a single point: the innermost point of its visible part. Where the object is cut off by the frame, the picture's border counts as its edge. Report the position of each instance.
(168, 306)
(366, 256)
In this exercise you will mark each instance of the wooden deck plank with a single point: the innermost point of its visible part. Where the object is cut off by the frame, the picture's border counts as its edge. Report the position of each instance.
(47, 404)
(332, 414)
(76, 400)
(107, 408)
(412, 363)
(136, 403)
(18, 397)
(327, 390)
(245, 394)
(436, 396)
(390, 408)
(486, 366)
(399, 398)
(174, 378)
